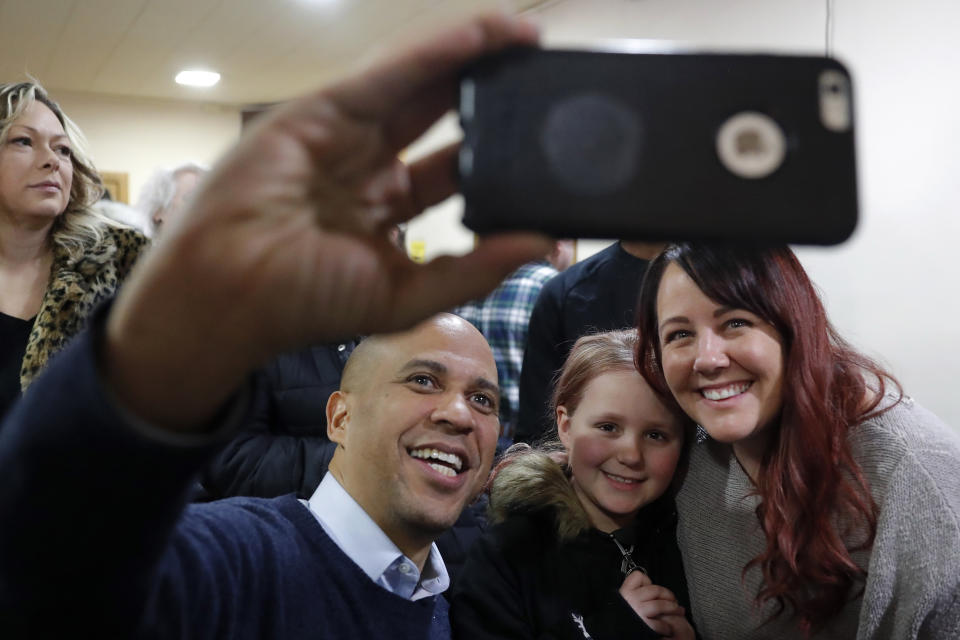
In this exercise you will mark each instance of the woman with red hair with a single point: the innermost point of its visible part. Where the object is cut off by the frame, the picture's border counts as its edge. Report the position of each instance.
(822, 501)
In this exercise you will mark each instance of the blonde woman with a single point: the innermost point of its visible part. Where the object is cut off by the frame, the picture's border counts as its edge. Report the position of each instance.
(58, 258)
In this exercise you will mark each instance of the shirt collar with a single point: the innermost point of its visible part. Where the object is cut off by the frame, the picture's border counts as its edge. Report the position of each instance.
(359, 537)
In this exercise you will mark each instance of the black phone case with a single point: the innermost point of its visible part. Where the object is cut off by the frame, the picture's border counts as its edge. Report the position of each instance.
(620, 145)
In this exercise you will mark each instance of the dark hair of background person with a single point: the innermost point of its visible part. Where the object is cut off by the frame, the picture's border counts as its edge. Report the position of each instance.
(808, 480)
(595, 294)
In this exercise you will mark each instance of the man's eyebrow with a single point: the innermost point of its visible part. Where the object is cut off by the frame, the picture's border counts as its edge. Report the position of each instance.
(485, 384)
(432, 365)
(440, 369)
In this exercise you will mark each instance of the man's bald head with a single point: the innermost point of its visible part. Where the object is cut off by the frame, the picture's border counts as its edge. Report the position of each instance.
(369, 354)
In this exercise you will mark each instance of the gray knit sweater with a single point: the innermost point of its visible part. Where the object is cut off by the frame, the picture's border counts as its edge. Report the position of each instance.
(911, 461)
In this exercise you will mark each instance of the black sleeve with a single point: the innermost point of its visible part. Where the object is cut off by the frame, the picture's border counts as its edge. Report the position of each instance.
(486, 601)
(455, 543)
(88, 502)
(263, 462)
(542, 358)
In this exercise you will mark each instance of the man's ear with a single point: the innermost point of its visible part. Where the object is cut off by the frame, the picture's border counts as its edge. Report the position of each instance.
(563, 425)
(338, 415)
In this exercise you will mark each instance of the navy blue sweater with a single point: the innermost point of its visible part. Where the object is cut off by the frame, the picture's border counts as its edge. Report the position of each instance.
(259, 568)
(96, 541)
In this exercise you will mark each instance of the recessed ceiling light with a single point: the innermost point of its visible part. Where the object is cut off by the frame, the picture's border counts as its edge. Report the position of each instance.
(197, 78)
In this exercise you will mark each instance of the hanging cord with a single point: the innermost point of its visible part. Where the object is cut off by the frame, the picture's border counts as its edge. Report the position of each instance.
(828, 30)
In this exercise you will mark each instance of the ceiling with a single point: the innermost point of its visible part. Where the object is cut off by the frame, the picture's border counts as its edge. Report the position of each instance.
(265, 50)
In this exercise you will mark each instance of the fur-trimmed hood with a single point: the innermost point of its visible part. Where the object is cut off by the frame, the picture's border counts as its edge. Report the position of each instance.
(534, 481)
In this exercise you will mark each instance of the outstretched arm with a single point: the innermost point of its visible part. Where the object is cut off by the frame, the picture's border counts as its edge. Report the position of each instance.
(286, 245)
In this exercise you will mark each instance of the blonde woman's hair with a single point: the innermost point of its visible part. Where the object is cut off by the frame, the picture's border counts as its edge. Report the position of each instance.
(79, 226)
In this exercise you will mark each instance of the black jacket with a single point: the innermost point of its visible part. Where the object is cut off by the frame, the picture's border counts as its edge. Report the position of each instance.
(285, 448)
(543, 573)
(597, 294)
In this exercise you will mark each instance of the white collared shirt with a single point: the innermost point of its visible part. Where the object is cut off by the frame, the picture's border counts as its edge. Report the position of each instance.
(359, 537)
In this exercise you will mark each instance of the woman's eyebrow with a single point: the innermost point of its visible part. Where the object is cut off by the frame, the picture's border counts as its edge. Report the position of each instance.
(675, 320)
(55, 136)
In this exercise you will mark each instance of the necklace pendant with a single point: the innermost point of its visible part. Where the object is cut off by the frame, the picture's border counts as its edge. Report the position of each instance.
(628, 566)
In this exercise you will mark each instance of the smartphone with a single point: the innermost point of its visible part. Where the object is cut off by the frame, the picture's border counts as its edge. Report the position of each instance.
(659, 146)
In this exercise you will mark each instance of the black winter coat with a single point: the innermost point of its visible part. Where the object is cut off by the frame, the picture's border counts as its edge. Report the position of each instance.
(285, 448)
(520, 583)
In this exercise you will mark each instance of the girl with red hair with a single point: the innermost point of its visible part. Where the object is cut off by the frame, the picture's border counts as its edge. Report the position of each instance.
(822, 501)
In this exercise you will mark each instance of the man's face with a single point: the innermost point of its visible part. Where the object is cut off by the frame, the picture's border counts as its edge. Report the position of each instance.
(417, 428)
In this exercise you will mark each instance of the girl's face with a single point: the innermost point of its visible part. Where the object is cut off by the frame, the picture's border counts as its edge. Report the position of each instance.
(623, 447)
(724, 366)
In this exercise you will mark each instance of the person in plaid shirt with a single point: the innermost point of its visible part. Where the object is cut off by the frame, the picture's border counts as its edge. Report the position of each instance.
(503, 318)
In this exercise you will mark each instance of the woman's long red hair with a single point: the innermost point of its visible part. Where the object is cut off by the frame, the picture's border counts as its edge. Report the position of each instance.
(815, 505)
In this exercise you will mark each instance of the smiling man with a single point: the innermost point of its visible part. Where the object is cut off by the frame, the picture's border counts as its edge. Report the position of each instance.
(416, 425)
(415, 422)
(284, 245)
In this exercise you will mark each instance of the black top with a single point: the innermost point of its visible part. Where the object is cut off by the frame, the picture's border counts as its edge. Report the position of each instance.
(520, 583)
(597, 294)
(284, 449)
(13, 344)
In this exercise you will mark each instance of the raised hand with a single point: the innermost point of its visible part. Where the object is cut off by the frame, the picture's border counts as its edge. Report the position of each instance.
(286, 242)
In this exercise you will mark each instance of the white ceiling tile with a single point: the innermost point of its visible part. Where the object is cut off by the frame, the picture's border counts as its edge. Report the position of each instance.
(25, 48)
(266, 50)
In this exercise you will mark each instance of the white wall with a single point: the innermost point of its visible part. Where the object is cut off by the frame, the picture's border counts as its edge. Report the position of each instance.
(439, 228)
(891, 290)
(138, 136)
